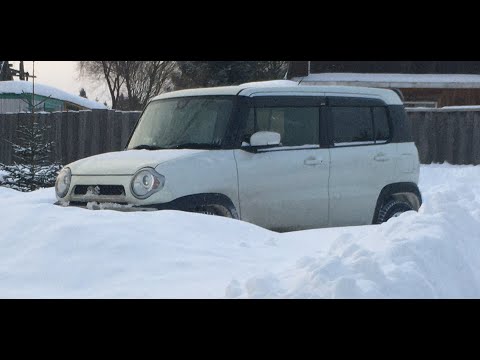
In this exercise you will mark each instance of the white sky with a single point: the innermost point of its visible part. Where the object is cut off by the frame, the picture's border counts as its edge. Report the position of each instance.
(64, 75)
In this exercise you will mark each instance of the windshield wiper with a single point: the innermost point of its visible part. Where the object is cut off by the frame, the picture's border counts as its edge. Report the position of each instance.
(195, 146)
(147, 147)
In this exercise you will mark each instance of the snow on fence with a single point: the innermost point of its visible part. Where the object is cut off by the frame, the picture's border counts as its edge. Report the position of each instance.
(449, 134)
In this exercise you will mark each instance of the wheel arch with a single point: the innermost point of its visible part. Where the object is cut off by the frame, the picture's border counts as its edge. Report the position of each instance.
(195, 201)
(405, 191)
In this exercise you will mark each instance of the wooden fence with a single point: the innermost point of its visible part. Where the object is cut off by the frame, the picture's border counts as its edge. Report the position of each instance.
(451, 135)
(77, 134)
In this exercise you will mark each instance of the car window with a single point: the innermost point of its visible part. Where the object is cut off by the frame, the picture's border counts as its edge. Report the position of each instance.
(297, 126)
(352, 125)
(189, 121)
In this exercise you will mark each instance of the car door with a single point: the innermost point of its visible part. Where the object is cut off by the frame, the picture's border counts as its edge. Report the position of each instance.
(362, 159)
(285, 187)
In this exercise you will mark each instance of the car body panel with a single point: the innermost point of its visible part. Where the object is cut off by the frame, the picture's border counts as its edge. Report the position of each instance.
(284, 190)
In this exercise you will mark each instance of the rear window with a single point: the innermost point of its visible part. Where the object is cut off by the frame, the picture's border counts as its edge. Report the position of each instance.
(352, 125)
(359, 125)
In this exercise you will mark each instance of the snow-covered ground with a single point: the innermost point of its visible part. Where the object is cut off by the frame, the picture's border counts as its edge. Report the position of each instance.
(49, 251)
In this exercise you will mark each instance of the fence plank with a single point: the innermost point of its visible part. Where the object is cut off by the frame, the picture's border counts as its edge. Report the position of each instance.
(109, 131)
(82, 134)
(94, 128)
(117, 131)
(3, 137)
(476, 139)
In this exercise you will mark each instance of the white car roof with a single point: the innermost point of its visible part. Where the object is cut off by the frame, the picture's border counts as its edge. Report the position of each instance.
(388, 96)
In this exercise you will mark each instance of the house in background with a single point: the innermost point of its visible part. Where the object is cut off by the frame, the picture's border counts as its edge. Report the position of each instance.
(422, 83)
(14, 96)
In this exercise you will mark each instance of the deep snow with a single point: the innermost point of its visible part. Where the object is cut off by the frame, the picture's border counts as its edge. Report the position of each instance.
(49, 251)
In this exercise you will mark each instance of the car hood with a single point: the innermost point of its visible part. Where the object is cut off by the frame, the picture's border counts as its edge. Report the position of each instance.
(126, 162)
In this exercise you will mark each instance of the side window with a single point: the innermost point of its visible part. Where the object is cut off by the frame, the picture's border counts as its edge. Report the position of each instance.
(352, 125)
(297, 126)
(382, 129)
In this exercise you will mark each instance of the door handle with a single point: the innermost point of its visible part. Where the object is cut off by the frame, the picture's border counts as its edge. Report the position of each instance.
(313, 161)
(380, 157)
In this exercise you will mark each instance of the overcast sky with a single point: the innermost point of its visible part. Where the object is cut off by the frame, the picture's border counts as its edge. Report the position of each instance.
(64, 75)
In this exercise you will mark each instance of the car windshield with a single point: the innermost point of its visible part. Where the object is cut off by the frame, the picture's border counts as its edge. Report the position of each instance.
(189, 122)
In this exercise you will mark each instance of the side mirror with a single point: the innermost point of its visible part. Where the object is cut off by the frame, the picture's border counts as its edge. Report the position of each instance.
(265, 138)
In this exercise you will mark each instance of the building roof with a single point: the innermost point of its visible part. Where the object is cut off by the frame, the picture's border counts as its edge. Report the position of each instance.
(285, 86)
(456, 81)
(19, 87)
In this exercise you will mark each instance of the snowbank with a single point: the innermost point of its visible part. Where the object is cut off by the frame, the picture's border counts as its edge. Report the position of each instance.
(50, 251)
(17, 87)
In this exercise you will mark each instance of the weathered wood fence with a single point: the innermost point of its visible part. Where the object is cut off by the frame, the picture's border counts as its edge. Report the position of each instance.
(77, 134)
(451, 135)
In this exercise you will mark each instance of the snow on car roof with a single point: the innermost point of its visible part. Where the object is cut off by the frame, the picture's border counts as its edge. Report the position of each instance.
(17, 87)
(285, 86)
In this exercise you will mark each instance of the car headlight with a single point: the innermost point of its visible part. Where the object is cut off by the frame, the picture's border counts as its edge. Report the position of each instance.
(146, 182)
(63, 182)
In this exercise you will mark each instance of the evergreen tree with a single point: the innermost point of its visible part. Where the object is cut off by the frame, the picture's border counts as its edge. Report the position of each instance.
(32, 168)
(83, 93)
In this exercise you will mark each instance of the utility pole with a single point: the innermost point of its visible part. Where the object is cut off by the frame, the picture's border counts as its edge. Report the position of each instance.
(7, 72)
(21, 72)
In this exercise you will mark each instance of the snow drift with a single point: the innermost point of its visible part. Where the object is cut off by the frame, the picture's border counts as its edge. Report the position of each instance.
(53, 252)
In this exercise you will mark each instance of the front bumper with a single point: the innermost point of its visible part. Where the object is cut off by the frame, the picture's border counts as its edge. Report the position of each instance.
(190, 203)
(81, 200)
(106, 206)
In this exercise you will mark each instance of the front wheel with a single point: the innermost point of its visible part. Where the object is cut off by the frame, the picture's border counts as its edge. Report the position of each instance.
(217, 210)
(392, 208)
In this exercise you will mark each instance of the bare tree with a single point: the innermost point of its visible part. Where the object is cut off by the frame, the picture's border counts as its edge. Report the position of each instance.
(144, 79)
(109, 71)
(140, 80)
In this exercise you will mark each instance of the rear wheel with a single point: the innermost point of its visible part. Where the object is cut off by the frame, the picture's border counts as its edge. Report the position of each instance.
(392, 208)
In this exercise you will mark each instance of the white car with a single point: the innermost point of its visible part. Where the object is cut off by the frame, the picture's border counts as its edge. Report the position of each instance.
(284, 158)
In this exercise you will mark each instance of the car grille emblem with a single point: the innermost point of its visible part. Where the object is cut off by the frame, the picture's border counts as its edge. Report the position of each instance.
(93, 190)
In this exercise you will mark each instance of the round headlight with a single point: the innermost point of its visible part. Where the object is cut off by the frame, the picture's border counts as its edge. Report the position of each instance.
(63, 182)
(145, 182)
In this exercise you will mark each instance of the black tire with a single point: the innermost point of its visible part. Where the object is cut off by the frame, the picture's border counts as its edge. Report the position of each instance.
(391, 209)
(217, 210)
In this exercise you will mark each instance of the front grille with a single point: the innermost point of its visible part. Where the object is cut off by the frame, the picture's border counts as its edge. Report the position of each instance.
(99, 189)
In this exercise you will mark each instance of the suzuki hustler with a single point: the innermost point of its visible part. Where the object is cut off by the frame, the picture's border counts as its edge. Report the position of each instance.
(284, 158)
